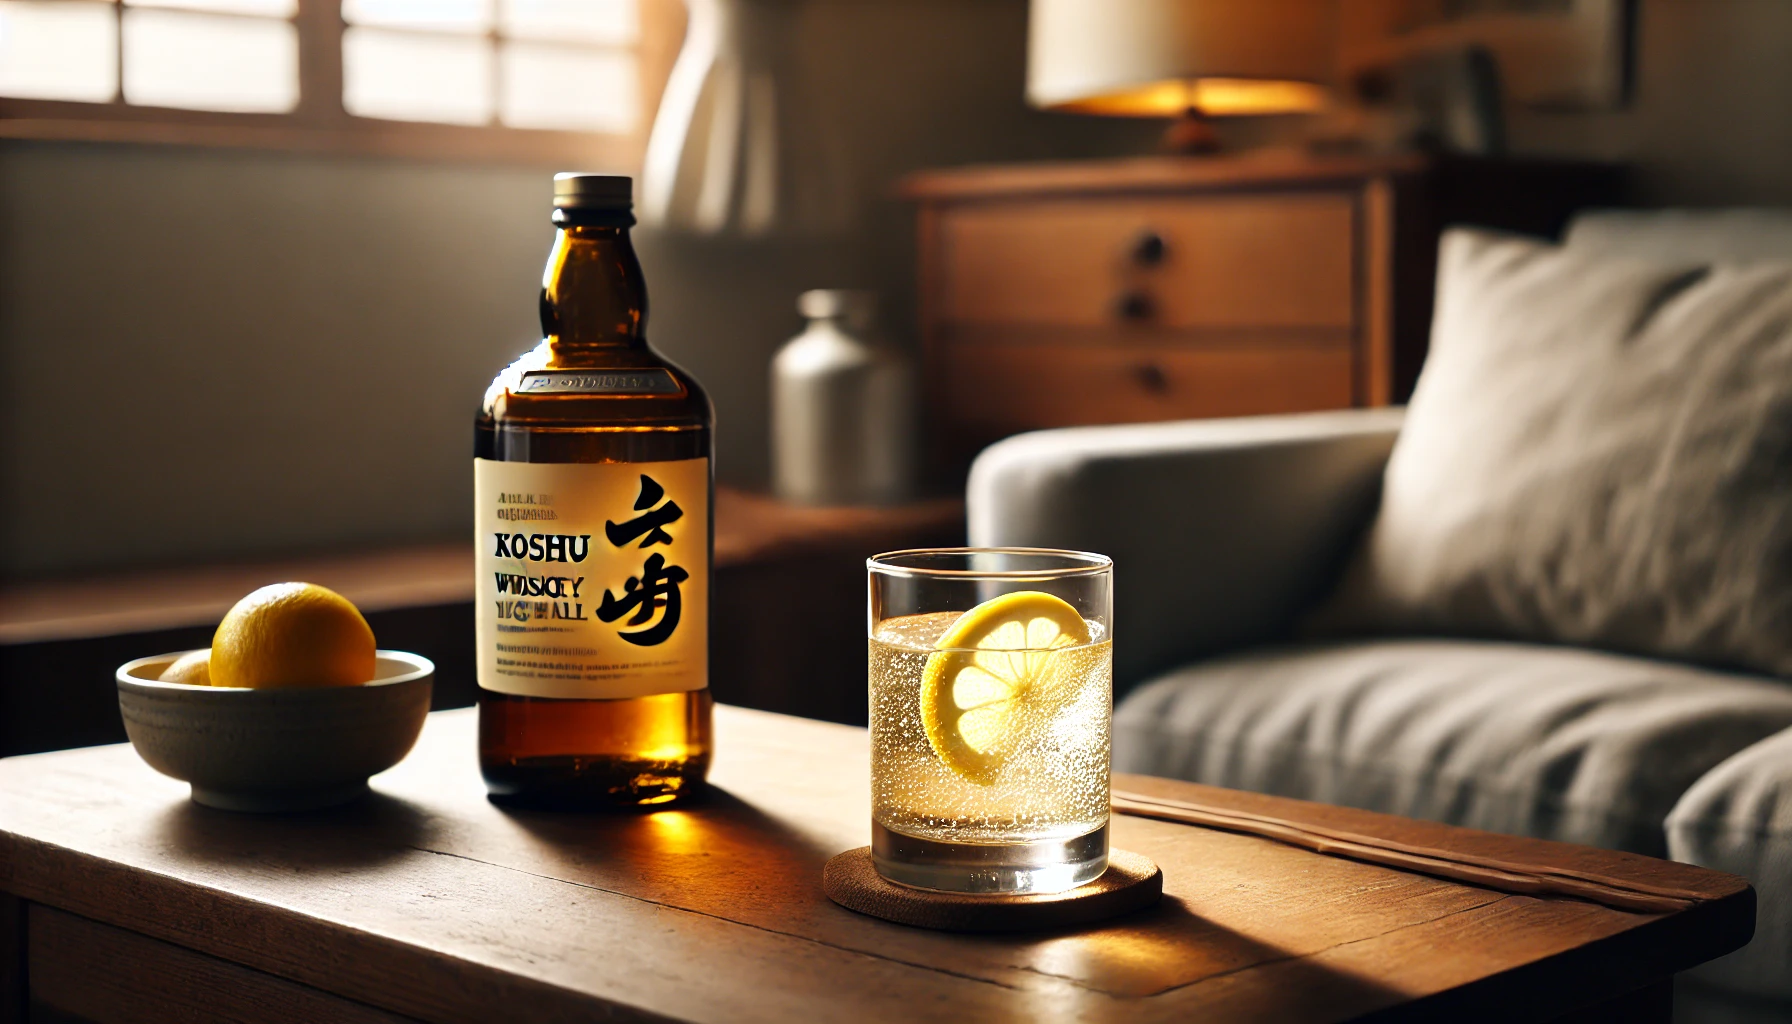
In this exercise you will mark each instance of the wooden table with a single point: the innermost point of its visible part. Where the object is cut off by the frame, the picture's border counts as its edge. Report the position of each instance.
(426, 902)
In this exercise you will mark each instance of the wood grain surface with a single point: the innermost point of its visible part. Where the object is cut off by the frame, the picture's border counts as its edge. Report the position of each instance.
(1268, 167)
(96, 972)
(12, 957)
(1530, 879)
(999, 389)
(427, 901)
(1272, 260)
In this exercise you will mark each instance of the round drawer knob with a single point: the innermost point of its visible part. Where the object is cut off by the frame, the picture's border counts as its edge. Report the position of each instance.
(1148, 249)
(1135, 306)
(1151, 377)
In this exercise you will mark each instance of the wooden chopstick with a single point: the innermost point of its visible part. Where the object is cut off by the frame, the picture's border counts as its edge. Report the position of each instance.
(1487, 872)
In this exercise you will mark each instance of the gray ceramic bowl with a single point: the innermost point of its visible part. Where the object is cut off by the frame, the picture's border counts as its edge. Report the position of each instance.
(275, 750)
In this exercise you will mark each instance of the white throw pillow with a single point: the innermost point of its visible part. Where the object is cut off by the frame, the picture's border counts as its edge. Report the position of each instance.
(1598, 452)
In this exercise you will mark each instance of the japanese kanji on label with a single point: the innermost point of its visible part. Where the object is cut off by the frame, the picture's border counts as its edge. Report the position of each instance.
(614, 601)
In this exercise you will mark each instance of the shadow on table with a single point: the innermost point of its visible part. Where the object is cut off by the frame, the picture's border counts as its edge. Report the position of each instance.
(732, 859)
(371, 830)
(719, 854)
(728, 858)
(1168, 948)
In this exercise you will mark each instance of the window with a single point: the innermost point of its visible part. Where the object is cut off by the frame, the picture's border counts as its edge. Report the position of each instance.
(550, 80)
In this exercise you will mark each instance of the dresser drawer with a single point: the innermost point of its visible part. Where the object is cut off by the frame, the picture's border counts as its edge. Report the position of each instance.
(1000, 388)
(1270, 260)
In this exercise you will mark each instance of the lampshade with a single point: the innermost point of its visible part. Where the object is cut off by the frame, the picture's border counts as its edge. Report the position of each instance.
(1160, 58)
(738, 147)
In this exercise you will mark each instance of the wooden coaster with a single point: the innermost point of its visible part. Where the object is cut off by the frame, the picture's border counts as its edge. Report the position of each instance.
(1131, 882)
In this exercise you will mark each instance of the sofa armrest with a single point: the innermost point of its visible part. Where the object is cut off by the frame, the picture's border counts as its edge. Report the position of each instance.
(1221, 531)
(1738, 818)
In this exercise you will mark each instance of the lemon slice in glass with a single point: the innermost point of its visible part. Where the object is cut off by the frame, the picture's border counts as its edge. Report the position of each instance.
(983, 690)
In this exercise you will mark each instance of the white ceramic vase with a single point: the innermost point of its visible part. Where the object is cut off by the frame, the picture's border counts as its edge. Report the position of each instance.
(842, 409)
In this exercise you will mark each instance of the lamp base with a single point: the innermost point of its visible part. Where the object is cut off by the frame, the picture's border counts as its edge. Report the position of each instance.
(1191, 134)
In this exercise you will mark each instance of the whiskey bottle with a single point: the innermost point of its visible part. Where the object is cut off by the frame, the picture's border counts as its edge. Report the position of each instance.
(593, 494)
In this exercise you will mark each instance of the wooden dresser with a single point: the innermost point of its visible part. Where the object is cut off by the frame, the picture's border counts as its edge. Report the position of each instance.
(1179, 287)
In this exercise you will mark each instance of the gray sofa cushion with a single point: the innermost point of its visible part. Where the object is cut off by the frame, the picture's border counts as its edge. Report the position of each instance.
(1596, 454)
(1223, 530)
(1541, 741)
(1738, 818)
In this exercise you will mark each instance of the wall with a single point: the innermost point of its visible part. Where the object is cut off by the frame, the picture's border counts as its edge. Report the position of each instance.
(206, 353)
(216, 354)
(1711, 120)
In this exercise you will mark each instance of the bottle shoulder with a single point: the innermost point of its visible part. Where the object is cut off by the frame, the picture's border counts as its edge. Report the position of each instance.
(635, 387)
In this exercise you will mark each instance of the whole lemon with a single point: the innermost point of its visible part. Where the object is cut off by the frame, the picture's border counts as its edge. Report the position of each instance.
(193, 669)
(292, 635)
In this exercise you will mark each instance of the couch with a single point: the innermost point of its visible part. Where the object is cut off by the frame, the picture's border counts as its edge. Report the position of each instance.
(1226, 534)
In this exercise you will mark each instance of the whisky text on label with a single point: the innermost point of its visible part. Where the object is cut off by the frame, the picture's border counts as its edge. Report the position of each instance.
(615, 602)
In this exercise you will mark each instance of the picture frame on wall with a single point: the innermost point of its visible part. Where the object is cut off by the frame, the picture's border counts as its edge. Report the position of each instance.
(1551, 54)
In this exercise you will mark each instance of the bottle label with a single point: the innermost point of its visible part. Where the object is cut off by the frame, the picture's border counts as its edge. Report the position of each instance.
(621, 382)
(593, 577)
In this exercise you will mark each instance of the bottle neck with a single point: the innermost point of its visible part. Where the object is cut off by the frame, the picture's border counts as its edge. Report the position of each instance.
(593, 297)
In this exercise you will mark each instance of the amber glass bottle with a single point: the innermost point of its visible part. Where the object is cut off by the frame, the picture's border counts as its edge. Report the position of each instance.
(594, 489)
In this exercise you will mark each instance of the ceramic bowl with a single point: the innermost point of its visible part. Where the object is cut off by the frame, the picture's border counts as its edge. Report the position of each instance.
(275, 750)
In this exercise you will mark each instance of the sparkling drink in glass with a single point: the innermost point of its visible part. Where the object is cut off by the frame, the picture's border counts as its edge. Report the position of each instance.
(991, 689)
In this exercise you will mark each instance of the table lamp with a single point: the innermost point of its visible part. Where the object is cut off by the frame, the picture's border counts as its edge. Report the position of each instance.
(1187, 59)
